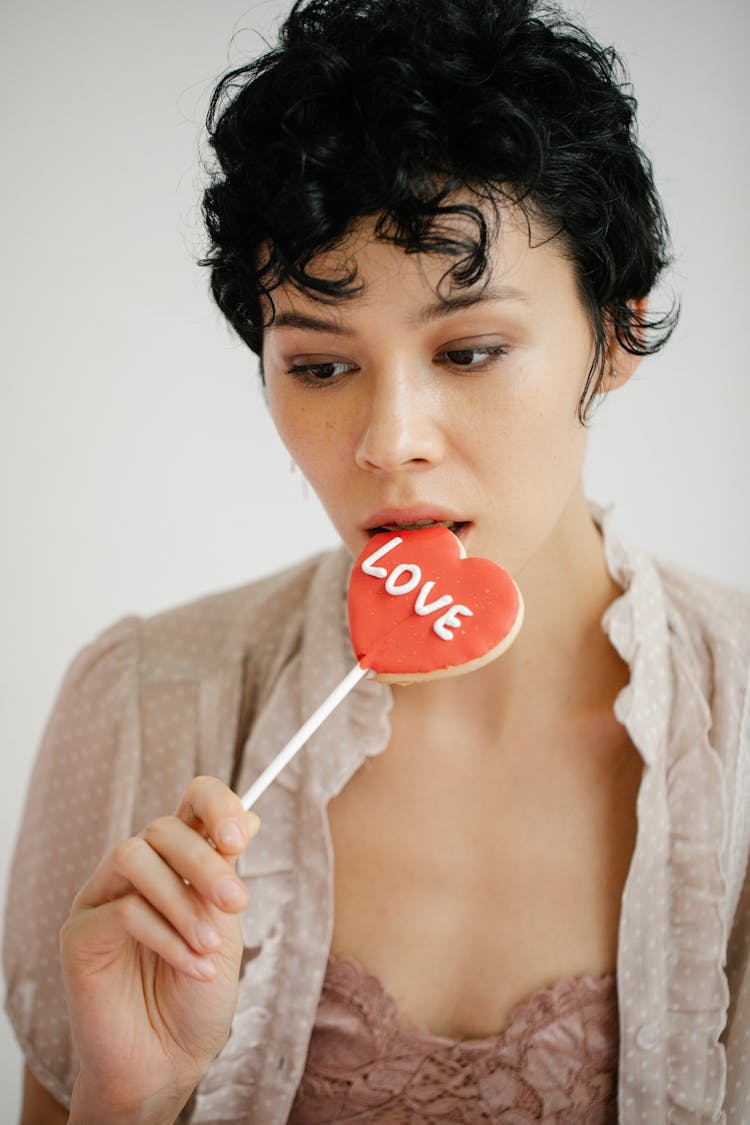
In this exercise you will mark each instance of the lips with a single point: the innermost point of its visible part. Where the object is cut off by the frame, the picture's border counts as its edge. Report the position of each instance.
(414, 518)
(453, 525)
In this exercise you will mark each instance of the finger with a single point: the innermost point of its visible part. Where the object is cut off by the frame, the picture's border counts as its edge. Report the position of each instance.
(157, 864)
(191, 856)
(210, 806)
(104, 885)
(111, 925)
(147, 873)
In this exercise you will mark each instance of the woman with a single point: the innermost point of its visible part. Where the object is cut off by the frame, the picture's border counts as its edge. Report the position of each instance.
(513, 895)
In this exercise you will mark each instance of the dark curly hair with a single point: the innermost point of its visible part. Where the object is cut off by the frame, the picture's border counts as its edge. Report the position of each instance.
(388, 108)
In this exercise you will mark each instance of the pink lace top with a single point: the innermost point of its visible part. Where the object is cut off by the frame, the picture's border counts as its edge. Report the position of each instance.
(555, 1062)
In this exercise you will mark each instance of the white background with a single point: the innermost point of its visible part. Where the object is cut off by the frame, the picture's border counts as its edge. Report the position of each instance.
(139, 468)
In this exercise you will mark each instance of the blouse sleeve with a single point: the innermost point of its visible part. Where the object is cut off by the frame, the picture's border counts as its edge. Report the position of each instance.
(150, 704)
(80, 801)
(737, 1032)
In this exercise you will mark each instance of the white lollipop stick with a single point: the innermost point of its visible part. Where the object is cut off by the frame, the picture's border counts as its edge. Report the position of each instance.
(298, 740)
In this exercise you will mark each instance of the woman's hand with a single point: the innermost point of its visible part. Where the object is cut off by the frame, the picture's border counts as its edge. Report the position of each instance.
(151, 956)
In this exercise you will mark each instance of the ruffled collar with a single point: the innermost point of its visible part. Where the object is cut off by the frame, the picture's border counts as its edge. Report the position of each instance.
(667, 716)
(636, 625)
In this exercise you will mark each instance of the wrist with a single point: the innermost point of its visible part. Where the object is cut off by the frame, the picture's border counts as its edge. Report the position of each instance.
(88, 1107)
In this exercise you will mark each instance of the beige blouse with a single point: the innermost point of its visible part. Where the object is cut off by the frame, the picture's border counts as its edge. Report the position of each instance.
(219, 685)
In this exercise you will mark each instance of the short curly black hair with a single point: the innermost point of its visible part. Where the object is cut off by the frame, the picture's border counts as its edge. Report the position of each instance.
(389, 108)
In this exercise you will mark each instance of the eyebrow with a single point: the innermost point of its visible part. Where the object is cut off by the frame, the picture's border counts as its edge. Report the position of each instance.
(445, 306)
(313, 323)
(427, 314)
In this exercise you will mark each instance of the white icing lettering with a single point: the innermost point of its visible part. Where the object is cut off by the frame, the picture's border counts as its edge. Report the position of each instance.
(391, 583)
(450, 620)
(405, 578)
(368, 566)
(423, 607)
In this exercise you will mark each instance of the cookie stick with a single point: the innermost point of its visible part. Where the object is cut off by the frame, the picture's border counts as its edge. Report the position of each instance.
(298, 740)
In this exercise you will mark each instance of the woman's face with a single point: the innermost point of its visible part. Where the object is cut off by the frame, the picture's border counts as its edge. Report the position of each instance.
(400, 408)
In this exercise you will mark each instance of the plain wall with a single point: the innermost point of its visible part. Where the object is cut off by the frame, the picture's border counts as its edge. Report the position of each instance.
(139, 468)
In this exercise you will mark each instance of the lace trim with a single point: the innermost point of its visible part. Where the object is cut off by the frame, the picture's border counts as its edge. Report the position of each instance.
(555, 1061)
(359, 988)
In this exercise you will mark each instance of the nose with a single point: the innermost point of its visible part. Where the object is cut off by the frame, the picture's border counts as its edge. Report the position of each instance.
(401, 424)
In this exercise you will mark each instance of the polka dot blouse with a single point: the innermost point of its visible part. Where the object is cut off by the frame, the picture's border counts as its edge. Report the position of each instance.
(219, 685)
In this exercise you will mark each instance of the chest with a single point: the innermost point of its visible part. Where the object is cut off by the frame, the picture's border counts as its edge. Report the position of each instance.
(466, 884)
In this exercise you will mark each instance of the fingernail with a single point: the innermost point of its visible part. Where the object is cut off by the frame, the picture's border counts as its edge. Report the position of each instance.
(231, 835)
(252, 824)
(205, 967)
(207, 936)
(230, 892)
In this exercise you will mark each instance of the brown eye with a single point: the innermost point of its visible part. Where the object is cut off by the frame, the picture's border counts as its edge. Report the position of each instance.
(323, 371)
(474, 359)
(318, 374)
(463, 357)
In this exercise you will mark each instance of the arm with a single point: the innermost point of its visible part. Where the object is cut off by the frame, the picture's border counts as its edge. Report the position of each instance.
(39, 1107)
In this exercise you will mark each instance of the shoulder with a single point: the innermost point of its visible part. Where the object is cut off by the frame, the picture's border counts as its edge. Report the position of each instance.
(708, 626)
(703, 616)
(171, 695)
(708, 618)
(196, 639)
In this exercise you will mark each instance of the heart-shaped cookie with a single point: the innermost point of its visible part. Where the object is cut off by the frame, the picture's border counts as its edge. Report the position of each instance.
(418, 608)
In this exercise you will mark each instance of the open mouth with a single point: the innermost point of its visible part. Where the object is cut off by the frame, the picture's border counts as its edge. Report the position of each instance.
(458, 527)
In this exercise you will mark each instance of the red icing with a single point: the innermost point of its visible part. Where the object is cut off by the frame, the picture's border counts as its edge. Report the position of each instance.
(390, 637)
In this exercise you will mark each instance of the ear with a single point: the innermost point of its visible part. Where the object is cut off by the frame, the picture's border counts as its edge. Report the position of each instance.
(621, 364)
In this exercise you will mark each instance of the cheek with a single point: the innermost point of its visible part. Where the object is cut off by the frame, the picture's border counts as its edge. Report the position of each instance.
(308, 433)
(288, 417)
(533, 424)
(530, 452)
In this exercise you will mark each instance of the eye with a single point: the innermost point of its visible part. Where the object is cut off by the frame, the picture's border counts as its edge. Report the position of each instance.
(319, 374)
(472, 358)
